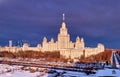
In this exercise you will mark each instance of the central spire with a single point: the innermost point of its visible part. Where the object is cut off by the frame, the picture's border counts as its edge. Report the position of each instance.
(63, 23)
(63, 29)
(63, 17)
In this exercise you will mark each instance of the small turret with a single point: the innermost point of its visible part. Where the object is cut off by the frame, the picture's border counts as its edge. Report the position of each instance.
(79, 43)
(25, 46)
(44, 39)
(101, 47)
(82, 40)
(77, 39)
(52, 40)
(39, 45)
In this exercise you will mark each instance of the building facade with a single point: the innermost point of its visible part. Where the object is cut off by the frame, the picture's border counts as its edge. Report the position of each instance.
(67, 48)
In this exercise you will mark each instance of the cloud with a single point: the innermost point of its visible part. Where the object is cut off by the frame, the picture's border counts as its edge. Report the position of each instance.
(96, 19)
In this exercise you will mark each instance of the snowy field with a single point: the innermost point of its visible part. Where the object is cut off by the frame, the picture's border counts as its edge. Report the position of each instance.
(21, 71)
(18, 71)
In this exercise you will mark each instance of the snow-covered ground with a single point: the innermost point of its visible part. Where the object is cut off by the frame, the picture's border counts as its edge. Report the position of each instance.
(21, 71)
(108, 72)
(17, 71)
(20, 74)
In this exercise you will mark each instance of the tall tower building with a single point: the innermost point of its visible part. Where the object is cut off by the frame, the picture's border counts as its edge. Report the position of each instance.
(67, 48)
(63, 36)
(10, 43)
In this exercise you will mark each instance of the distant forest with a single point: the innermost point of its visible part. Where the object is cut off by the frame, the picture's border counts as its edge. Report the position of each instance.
(49, 56)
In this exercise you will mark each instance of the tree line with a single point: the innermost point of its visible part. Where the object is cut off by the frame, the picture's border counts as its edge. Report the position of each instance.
(55, 56)
(30, 54)
(101, 57)
(49, 56)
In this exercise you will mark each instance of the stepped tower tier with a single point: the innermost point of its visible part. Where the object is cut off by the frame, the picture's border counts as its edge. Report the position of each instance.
(63, 36)
(63, 29)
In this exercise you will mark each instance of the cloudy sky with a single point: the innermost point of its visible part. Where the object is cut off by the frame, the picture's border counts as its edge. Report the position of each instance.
(30, 20)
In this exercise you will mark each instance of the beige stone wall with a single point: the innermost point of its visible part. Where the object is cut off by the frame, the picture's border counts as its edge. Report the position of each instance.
(11, 49)
(71, 53)
(92, 51)
(71, 45)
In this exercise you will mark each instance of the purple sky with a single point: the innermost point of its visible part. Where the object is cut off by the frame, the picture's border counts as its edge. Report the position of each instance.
(30, 20)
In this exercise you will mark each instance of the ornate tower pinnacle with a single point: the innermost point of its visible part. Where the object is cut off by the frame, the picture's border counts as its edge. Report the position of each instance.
(63, 17)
